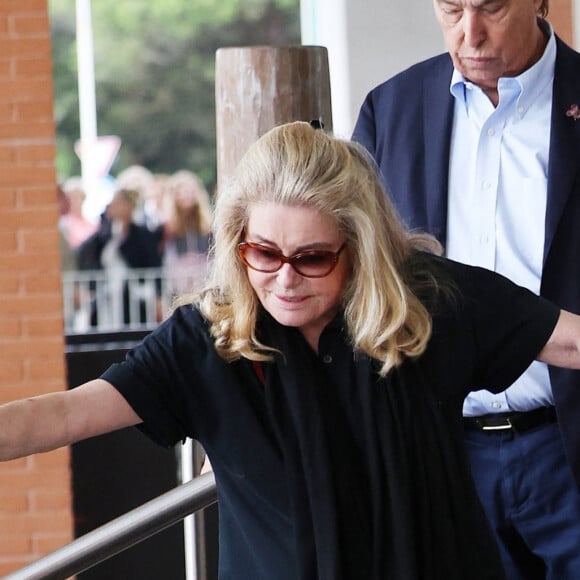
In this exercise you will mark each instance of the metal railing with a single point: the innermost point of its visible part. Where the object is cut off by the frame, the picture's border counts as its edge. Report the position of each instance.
(131, 299)
(123, 532)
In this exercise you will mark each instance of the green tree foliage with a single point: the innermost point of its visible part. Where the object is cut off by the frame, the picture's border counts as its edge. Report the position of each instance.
(154, 74)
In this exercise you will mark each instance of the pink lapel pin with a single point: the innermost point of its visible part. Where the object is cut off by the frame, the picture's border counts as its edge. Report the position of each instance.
(574, 112)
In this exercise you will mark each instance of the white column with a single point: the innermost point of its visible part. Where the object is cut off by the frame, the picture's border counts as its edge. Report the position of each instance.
(576, 24)
(87, 100)
(368, 41)
(324, 24)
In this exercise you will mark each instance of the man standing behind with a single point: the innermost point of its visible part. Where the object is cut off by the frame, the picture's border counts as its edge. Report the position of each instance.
(481, 147)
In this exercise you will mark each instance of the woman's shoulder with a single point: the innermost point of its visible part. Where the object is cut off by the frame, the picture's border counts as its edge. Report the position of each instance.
(186, 319)
(450, 288)
(476, 281)
(462, 277)
(183, 328)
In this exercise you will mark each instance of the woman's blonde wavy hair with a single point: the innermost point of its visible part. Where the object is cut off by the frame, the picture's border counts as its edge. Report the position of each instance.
(296, 165)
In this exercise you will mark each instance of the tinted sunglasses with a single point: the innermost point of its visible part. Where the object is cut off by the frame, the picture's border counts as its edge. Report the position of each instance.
(310, 263)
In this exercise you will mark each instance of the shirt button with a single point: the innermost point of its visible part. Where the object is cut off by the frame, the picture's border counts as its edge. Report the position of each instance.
(521, 110)
(327, 359)
(490, 132)
(496, 405)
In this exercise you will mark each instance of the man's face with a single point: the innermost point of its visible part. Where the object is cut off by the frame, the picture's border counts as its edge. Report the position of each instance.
(489, 39)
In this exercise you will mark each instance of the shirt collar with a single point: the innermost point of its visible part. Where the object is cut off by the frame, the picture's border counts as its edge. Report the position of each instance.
(530, 83)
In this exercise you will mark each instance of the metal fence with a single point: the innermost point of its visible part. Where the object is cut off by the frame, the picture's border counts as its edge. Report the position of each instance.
(134, 299)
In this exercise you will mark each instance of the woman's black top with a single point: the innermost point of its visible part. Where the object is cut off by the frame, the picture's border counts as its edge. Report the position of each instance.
(325, 470)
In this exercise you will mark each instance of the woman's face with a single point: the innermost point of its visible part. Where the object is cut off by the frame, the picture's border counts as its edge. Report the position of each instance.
(292, 299)
(186, 196)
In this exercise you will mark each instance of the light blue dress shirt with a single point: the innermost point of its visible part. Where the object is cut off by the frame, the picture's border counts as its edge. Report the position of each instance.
(497, 198)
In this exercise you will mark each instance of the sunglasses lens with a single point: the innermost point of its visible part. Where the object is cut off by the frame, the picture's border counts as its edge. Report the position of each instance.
(260, 258)
(311, 264)
(314, 263)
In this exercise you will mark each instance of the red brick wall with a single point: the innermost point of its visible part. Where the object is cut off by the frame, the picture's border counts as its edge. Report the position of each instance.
(35, 492)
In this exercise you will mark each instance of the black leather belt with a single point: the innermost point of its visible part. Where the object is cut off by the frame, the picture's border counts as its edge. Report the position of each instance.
(518, 422)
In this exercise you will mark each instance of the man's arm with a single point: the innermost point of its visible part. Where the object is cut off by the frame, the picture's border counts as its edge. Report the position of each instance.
(57, 419)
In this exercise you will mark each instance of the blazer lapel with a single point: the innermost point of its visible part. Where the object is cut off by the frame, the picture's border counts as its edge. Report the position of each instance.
(564, 158)
(438, 114)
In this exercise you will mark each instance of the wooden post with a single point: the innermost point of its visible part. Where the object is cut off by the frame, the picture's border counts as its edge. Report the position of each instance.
(260, 87)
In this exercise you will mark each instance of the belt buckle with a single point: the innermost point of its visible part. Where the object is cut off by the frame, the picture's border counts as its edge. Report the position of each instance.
(497, 427)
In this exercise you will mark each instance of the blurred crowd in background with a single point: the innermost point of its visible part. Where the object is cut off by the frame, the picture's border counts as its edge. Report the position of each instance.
(149, 245)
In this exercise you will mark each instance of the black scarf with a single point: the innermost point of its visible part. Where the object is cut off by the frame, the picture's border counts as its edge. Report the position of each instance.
(379, 489)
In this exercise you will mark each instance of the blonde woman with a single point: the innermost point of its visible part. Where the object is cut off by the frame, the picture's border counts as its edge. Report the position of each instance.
(323, 370)
(186, 231)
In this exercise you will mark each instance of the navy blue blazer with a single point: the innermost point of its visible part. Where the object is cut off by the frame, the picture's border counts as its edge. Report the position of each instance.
(406, 125)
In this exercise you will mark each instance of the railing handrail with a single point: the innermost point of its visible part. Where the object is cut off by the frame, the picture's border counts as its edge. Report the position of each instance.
(122, 532)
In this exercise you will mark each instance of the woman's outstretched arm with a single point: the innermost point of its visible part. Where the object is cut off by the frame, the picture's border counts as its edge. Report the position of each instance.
(563, 347)
(57, 419)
